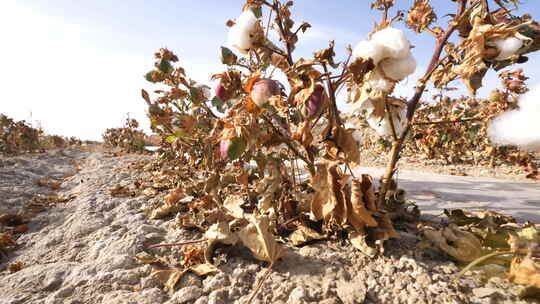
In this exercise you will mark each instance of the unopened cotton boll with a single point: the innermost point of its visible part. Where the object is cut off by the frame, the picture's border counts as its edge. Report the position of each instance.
(398, 69)
(263, 89)
(394, 40)
(519, 127)
(239, 35)
(370, 49)
(507, 47)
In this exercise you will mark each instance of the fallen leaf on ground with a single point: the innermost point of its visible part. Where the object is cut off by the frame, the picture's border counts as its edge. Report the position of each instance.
(203, 269)
(461, 245)
(304, 234)
(233, 205)
(525, 271)
(169, 278)
(258, 238)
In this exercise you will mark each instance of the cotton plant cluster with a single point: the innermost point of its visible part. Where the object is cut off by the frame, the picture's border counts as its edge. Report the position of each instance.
(519, 127)
(241, 33)
(390, 52)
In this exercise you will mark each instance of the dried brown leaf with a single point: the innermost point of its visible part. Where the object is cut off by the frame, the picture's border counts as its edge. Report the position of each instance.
(169, 278)
(233, 205)
(304, 234)
(260, 240)
(461, 245)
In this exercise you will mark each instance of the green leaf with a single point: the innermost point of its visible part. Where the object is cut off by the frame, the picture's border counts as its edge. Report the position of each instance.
(236, 148)
(257, 11)
(227, 56)
(182, 134)
(165, 66)
(197, 95)
(218, 104)
(148, 77)
(170, 139)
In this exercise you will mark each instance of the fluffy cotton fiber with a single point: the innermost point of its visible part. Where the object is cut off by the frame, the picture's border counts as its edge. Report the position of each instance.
(519, 127)
(239, 35)
(394, 40)
(382, 125)
(398, 69)
(507, 47)
(370, 49)
(389, 49)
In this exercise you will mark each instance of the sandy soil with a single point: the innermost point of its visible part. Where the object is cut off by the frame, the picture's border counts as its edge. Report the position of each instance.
(83, 250)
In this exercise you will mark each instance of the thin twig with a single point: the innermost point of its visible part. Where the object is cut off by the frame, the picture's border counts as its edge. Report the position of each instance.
(287, 141)
(420, 123)
(332, 94)
(259, 284)
(391, 120)
(268, 24)
(178, 244)
(482, 259)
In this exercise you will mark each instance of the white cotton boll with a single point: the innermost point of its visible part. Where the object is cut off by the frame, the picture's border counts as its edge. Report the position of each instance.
(370, 49)
(239, 39)
(519, 127)
(397, 45)
(383, 126)
(507, 47)
(239, 35)
(247, 19)
(399, 69)
(377, 81)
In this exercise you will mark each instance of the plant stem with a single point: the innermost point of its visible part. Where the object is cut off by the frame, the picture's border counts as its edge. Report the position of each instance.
(482, 259)
(289, 144)
(332, 94)
(422, 123)
(259, 284)
(279, 22)
(178, 244)
(413, 103)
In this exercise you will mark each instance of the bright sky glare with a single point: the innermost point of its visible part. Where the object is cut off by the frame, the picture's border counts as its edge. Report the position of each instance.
(77, 66)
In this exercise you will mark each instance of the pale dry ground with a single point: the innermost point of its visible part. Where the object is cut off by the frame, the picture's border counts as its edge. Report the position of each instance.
(82, 251)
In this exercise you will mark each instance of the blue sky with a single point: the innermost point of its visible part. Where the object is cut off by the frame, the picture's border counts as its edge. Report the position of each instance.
(77, 66)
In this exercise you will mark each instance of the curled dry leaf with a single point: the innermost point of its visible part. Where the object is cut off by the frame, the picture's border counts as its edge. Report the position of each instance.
(461, 245)
(525, 271)
(340, 207)
(525, 268)
(233, 205)
(359, 214)
(169, 278)
(172, 203)
(328, 203)
(304, 234)
(260, 240)
(269, 187)
(221, 233)
(359, 241)
(203, 269)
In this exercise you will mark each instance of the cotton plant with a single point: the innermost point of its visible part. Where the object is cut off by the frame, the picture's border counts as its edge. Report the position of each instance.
(298, 127)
